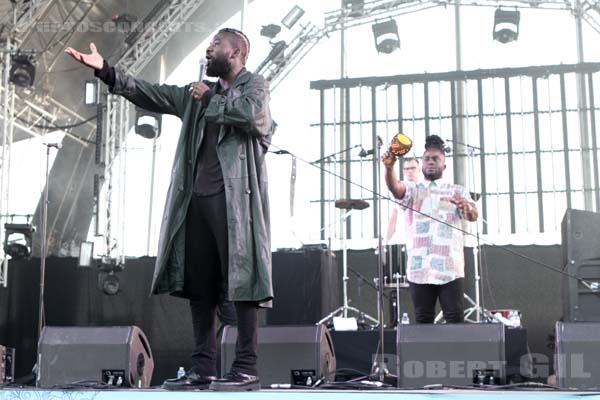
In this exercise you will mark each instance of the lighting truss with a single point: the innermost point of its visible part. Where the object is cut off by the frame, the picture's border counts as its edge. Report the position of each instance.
(281, 62)
(24, 16)
(275, 70)
(27, 22)
(35, 114)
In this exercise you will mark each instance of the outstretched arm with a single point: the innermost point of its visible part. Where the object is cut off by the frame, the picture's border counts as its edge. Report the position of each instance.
(165, 99)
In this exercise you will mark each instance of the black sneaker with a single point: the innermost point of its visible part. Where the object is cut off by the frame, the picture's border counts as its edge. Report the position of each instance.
(236, 382)
(190, 381)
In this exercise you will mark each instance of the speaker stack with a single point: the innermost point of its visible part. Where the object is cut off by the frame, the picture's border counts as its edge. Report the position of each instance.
(112, 355)
(581, 259)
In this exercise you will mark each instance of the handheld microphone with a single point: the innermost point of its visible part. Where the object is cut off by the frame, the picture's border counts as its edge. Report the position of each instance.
(202, 69)
(55, 145)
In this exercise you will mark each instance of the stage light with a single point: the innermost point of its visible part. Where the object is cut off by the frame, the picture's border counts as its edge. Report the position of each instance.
(147, 123)
(270, 30)
(86, 253)
(124, 22)
(277, 52)
(506, 25)
(356, 7)
(386, 36)
(22, 71)
(18, 240)
(91, 93)
(292, 17)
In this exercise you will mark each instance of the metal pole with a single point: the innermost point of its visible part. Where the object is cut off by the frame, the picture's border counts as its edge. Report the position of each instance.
(151, 205)
(243, 15)
(582, 106)
(381, 368)
(5, 122)
(345, 266)
(7, 129)
(123, 176)
(459, 161)
(459, 158)
(344, 168)
(44, 240)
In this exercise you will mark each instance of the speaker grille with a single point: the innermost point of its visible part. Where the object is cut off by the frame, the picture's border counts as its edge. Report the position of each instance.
(72, 355)
(287, 354)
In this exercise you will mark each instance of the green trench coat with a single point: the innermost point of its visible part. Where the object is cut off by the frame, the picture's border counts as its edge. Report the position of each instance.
(244, 137)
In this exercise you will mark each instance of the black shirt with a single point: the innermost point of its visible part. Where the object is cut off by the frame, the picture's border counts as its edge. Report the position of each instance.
(208, 179)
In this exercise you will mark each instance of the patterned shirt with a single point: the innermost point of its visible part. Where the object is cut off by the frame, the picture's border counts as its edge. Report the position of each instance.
(434, 250)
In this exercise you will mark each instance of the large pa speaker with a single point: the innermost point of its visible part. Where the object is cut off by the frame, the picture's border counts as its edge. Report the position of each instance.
(577, 358)
(306, 282)
(297, 355)
(115, 355)
(450, 354)
(581, 259)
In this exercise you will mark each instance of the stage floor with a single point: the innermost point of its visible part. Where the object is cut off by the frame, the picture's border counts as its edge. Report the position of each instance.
(272, 394)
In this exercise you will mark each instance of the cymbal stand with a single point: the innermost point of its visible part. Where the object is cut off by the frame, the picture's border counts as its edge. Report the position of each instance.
(345, 307)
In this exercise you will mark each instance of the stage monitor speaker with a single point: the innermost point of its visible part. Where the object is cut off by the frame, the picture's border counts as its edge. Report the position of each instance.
(450, 354)
(297, 355)
(577, 358)
(114, 355)
(581, 258)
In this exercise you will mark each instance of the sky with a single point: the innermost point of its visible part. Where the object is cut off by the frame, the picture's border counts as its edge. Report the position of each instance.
(427, 45)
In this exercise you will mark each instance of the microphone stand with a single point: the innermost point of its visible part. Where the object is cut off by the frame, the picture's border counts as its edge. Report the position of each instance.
(379, 370)
(44, 242)
(477, 307)
(332, 155)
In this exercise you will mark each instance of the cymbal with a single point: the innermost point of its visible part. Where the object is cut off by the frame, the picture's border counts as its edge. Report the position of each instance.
(351, 204)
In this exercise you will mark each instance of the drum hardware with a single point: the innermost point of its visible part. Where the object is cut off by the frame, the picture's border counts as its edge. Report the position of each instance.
(349, 205)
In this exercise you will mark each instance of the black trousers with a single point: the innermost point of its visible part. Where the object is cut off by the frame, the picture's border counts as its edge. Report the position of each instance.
(424, 297)
(206, 270)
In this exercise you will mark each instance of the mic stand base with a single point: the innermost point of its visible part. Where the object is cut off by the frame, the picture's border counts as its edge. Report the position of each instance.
(380, 373)
(343, 310)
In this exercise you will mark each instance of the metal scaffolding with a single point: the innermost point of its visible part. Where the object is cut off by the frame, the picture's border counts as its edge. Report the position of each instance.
(155, 34)
(284, 57)
(33, 113)
(7, 135)
(52, 24)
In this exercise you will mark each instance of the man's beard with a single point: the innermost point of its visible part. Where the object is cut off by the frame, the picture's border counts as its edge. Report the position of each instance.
(218, 67)
(432, 176)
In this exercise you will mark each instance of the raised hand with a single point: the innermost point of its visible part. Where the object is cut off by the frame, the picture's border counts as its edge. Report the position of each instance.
(92, 60)
(389, 159)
